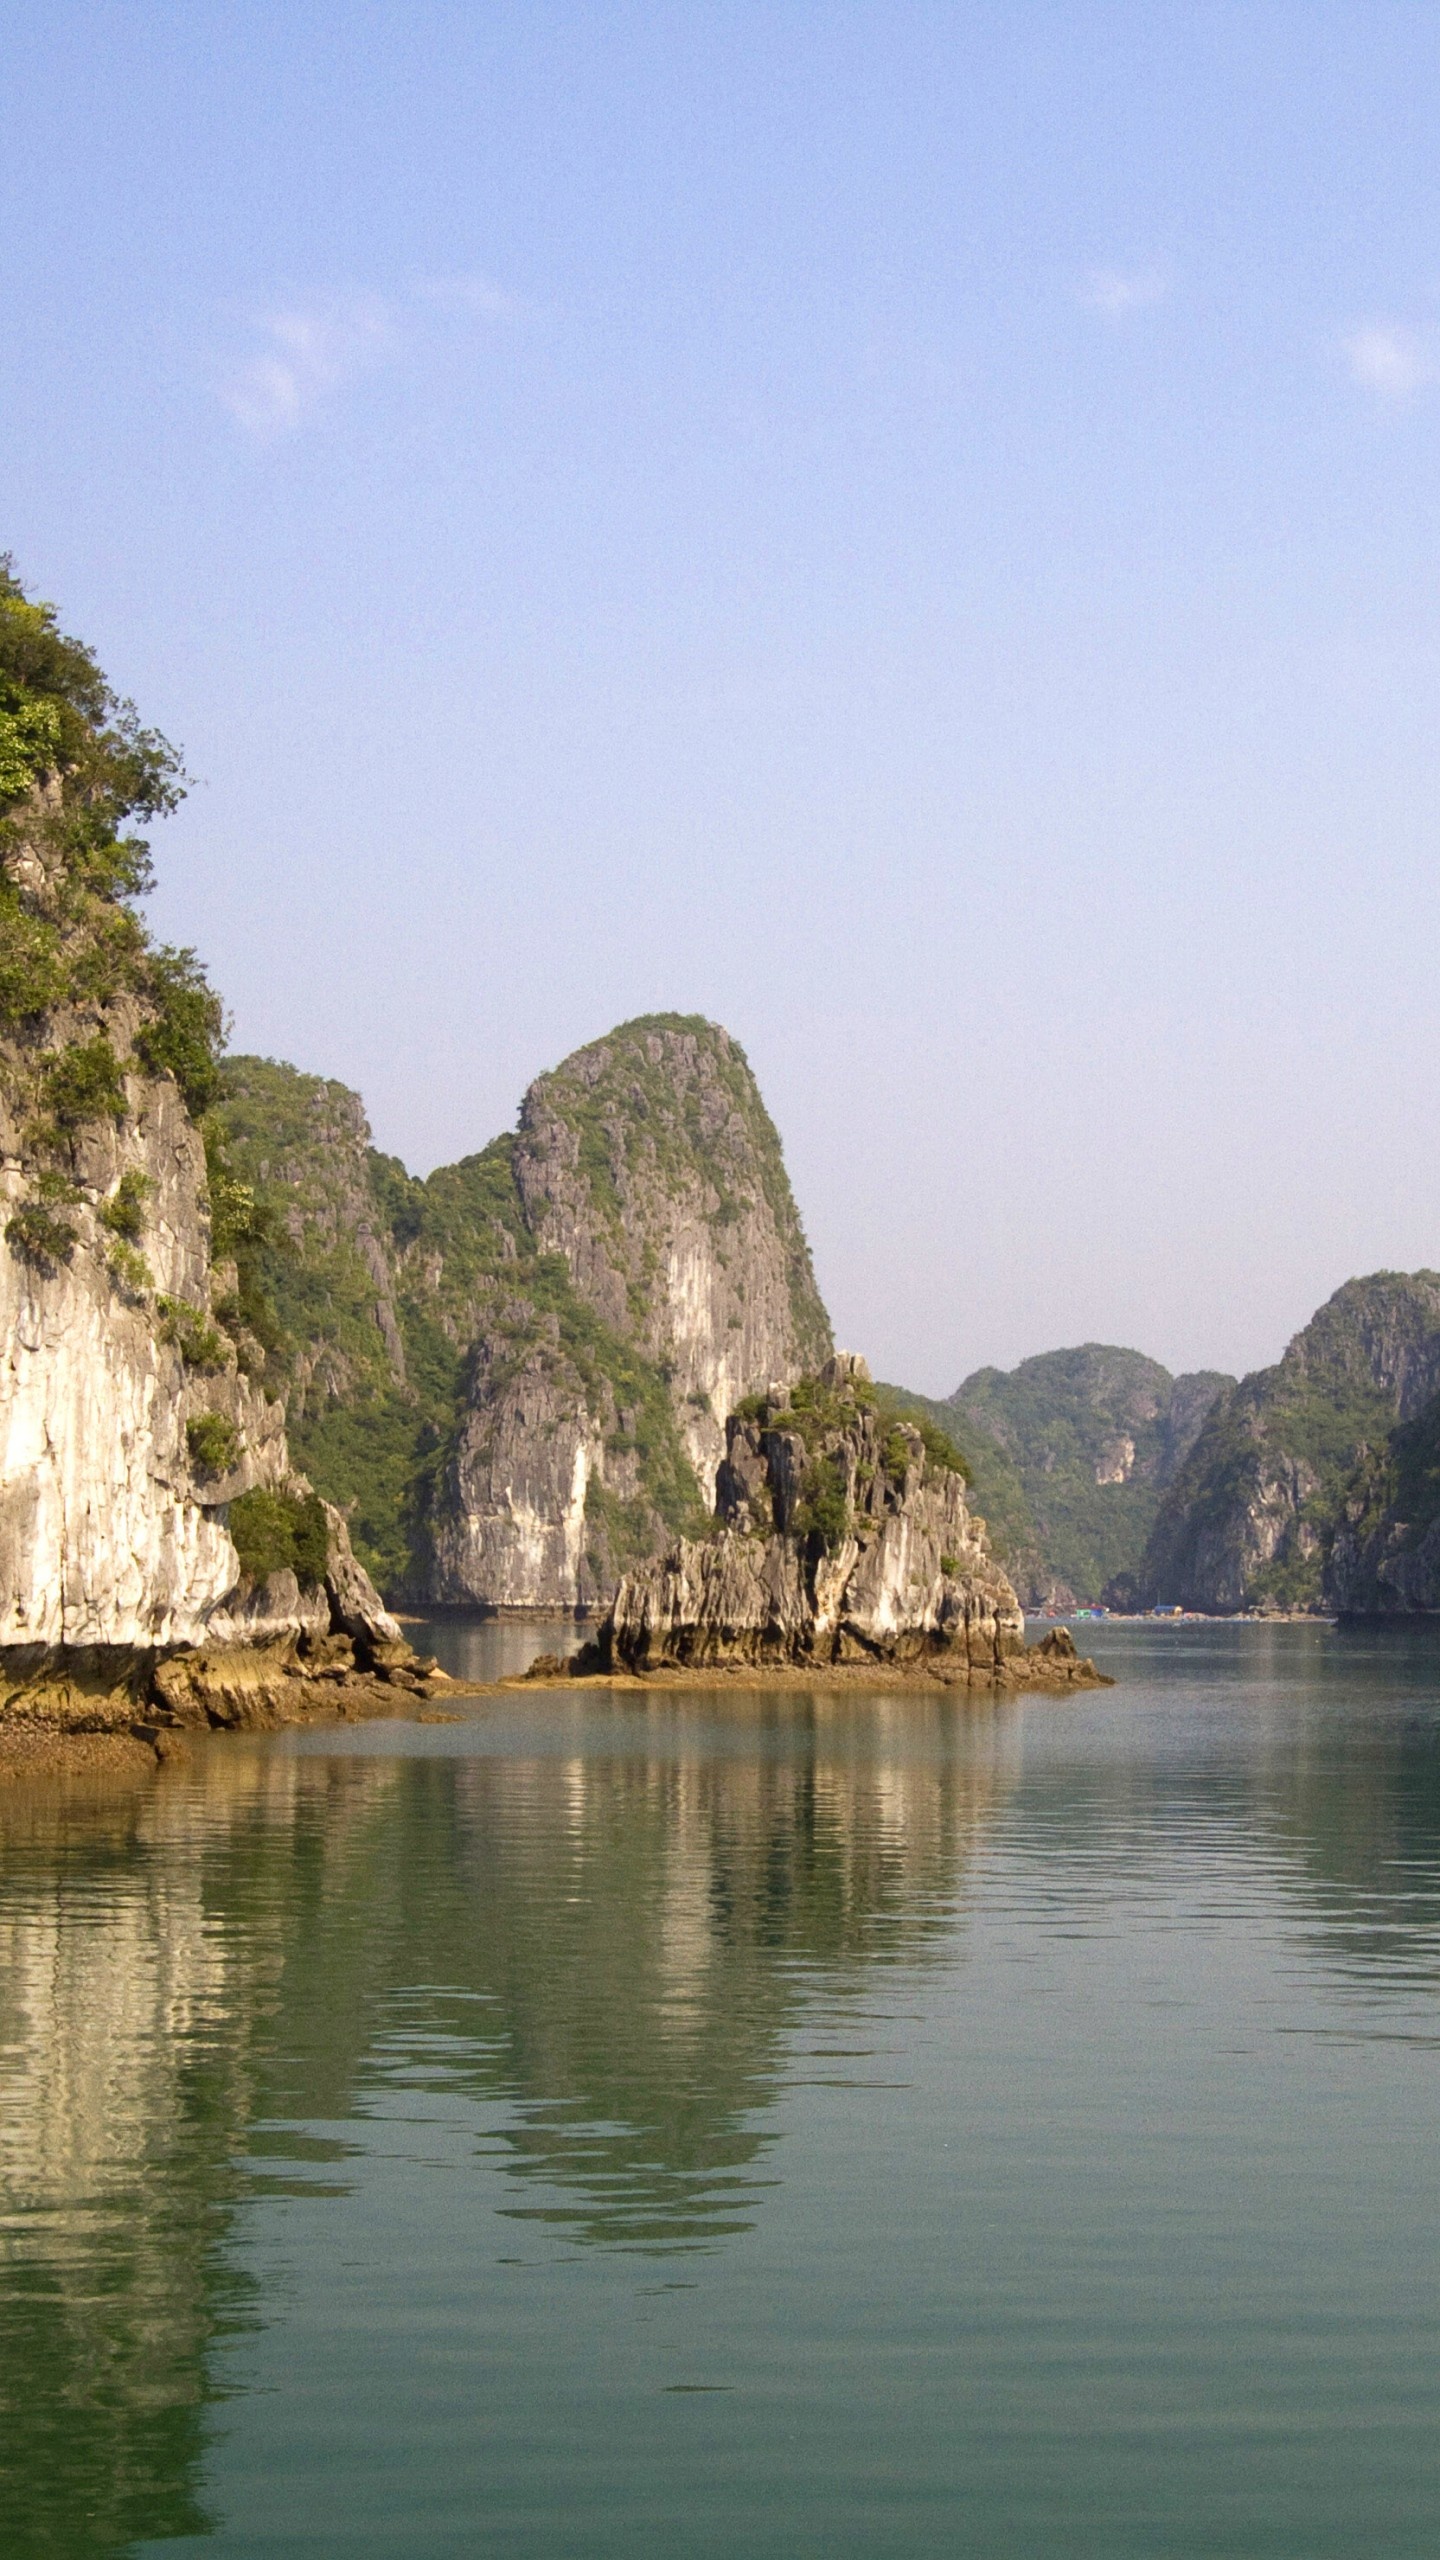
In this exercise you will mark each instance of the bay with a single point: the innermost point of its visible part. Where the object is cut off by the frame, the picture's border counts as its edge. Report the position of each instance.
(760, 2123)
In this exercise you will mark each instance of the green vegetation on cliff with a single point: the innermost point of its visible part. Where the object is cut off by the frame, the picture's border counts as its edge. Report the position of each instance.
(77, 769)
(635, 1130)
(381, 1283)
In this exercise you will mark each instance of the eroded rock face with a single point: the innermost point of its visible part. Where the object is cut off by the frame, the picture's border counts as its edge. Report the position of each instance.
(648, 1165)
(839, 1538)
(649, 1161)
(511, 1529)
(1384, 1559)
(111, 1531)
(568, 1315)
(130, 1419)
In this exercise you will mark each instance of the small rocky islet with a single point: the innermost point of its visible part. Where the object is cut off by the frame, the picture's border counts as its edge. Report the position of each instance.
(842, 1545)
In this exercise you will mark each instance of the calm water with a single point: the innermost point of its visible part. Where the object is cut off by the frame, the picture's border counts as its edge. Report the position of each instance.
(741, 2126)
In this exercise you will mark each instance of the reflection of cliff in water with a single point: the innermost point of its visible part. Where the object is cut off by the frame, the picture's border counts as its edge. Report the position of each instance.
(602, 1950)
(652, 1921)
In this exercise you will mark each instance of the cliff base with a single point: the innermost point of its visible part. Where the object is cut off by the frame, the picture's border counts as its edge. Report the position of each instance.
(107, 1709)
(1053, 1664)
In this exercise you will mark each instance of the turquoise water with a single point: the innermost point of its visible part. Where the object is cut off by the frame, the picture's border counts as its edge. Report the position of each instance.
(741, 2125)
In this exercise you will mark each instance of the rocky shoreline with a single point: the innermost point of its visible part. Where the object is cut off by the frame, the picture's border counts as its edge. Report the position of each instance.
(1053, 1665)
(99, 1709)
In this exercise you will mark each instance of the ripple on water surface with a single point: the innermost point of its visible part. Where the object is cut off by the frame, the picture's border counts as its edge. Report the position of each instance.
(771, 2123)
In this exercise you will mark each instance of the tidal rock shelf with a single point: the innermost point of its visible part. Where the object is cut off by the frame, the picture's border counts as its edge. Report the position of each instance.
(1053, 1665)
(843, 1550)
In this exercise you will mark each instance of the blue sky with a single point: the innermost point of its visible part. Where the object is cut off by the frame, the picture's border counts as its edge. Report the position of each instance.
(911, 531)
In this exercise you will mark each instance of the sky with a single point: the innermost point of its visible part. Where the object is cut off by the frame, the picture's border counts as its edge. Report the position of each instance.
(910, 531)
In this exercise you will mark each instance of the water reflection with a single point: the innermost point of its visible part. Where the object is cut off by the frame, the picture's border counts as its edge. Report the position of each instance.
(591, 1937)
(602, 1947)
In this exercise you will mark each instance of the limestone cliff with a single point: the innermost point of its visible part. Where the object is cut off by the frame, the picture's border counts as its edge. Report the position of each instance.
(515, 1373)
(650, 1163)
(842, 1535)
(126, 1424)
(136, 1433)
(1269, 1486)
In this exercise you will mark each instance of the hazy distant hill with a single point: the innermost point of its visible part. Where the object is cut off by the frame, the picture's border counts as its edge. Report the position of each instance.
(1314, 1482)
(1072, 1453)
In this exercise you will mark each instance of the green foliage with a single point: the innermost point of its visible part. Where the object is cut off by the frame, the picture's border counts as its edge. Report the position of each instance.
(1304, 1422)
(199, 1344)
(896, 1456)
(824, 1508)
(213, 1442)
(1039, 1437)
(32, 966)
(76, 767)
(942, 1453)
(1414, 1488)
(248, 1232)
(186, 1033)
(129, 1269)
(29, 743)
(83, 1082)
(278, 1532)
(628, 1528)
(949, 1564)
(38, 1236)
(815, 1411)
(60, 715)
(124, 1212)
(372, 1458)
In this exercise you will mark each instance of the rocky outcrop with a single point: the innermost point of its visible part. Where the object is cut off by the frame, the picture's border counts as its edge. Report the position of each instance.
(577, 1309)
(648, 1167)
(842, 1537)
(1268, 1510)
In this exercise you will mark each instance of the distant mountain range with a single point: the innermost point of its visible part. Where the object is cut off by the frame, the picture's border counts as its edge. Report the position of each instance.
(1072, 1454)
(1310, 1485)
(1316, 1483)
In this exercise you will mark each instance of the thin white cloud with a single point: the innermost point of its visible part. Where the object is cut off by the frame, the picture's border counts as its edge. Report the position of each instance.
(466, 293)
(304, 355)
(1117, 291)
(1393, 361)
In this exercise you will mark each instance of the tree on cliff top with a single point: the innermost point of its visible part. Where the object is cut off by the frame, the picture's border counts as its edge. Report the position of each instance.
(77, 767)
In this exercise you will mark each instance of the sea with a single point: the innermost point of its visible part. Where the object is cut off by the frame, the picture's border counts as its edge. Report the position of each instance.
(740, 2126)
